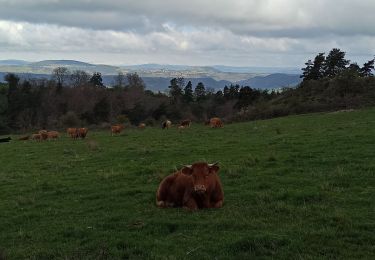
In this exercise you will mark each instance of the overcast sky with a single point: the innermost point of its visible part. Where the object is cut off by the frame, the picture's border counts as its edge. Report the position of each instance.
(194, 32)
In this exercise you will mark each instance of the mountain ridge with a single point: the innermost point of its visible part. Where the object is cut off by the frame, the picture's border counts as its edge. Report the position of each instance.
(157, 76)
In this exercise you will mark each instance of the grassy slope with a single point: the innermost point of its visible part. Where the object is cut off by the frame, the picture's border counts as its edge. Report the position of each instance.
(295, 187)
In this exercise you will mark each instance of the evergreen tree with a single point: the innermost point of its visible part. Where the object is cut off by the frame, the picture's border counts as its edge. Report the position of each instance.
(368, 67)
(175, 90)
(188, 92)
(317, 69)
(96, 80)
(314, 70)
(219, 97)
(247, 96)
(354, 69)
(306, 74)
(335, 63)
(12, 80)
(200, 92)
(233, 91)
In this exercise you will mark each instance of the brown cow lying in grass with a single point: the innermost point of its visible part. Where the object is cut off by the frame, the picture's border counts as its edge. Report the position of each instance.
(43, 134)
(36, 137)
(193, 187)
(116, 129)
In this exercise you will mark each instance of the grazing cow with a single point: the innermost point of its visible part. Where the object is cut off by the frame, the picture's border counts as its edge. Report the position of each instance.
(142, 126)
(53, 135)
(82, 132)
(72, 132)
(166, 124)
(24, 138)
(216, 122)
(116, 129)
(5, 139)
(193, 187)
(43, 134)
(185, 123)
(36, 137)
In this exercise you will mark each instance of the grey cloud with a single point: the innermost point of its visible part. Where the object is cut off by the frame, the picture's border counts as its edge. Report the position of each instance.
(297, 18)
(240, 32)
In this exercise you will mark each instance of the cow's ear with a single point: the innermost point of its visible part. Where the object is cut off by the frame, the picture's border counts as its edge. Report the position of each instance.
(188, 169)
(214, 168)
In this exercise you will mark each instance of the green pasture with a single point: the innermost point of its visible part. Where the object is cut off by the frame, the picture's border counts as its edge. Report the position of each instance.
(299, 187)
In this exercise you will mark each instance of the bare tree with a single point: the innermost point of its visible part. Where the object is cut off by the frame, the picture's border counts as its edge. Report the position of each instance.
(79, 78)
(135, 81)
(60, 75)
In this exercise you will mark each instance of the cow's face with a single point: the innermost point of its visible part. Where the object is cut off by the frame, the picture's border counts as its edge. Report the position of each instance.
(202, 175)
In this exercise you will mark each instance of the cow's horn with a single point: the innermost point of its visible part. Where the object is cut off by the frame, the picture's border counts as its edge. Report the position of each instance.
(188, 166)
(213, 164)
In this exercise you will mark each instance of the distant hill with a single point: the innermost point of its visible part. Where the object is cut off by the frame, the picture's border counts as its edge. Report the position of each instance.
(13, 62)
(157, 76)
(60, 63)
(47, 66)
(262, 70)
(271, 81)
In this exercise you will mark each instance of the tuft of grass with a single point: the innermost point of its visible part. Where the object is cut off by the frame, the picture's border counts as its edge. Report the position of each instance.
(92, 145)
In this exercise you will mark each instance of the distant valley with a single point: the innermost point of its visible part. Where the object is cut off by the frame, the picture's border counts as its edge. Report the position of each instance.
(157, 76)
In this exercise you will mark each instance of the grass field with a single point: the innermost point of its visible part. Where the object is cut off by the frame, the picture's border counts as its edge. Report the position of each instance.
(300, 187)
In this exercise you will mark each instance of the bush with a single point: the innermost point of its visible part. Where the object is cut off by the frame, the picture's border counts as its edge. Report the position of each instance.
(121, 119)
(150, 121)
(70, 119)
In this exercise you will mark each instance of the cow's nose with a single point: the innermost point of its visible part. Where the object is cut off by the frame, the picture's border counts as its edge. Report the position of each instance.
(200, 188)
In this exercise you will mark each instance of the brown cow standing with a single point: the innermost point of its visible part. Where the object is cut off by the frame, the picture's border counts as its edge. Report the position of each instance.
(194, 187)
(142, 126)
(53, 135)
(216, 122)
(82, 132)
(116, 129)
(72, 132)
(185, 123)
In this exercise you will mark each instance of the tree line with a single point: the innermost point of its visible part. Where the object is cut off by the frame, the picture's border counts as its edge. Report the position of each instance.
(72, 99)
(333, 65)
(76, 98)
